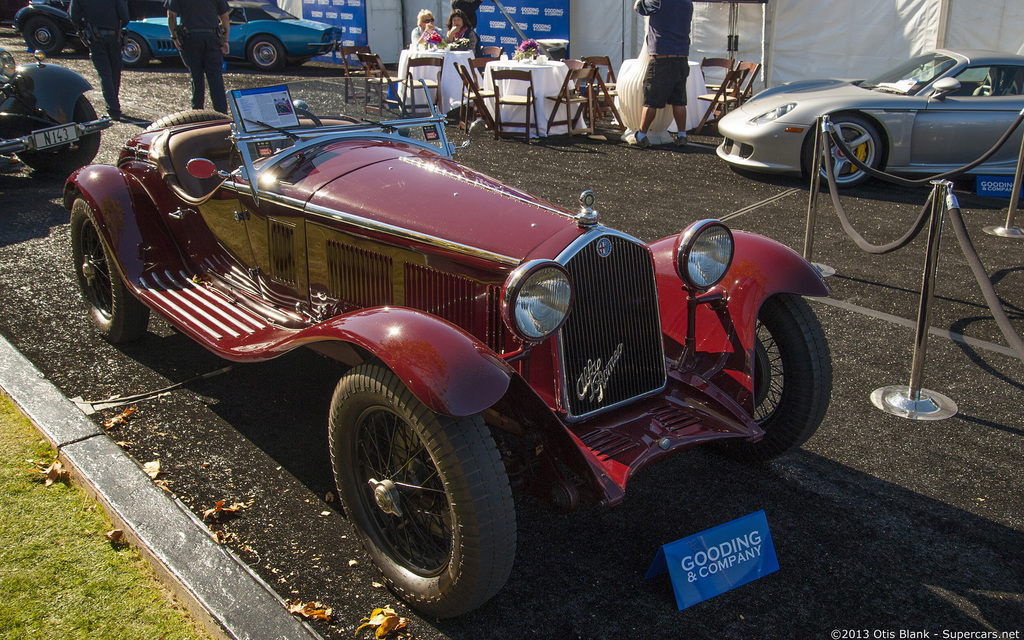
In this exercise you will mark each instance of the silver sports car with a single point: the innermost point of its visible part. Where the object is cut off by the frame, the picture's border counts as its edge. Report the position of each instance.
(936, 112)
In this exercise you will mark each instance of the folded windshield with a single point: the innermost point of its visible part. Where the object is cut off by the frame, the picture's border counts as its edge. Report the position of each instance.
(911, 76)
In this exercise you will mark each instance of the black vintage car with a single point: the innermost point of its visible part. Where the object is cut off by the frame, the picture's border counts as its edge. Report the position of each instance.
(47, 27)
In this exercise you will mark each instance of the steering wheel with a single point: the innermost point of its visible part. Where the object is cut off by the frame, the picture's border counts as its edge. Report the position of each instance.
(985, 89)
(302, 109)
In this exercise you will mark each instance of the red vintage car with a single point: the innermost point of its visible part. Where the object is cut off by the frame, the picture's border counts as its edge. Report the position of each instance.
(496, 341)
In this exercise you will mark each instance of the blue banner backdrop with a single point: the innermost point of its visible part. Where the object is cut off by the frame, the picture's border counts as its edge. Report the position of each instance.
(537, 19)
(347, 15)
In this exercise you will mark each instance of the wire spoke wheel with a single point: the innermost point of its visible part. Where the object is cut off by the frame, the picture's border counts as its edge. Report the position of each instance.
(427, 494)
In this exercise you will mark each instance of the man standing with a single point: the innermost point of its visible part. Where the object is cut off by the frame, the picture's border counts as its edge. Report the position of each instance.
(668, 43)
(202, 39)
(101, 21)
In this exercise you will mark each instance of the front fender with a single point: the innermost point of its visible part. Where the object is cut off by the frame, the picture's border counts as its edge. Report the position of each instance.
(761, 267)
(446, 368)
(51, 88)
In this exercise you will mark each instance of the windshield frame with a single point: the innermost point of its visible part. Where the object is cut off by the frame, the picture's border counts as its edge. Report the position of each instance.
(923, 70)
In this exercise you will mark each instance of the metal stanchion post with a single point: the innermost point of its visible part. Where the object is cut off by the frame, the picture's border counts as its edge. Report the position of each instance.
(912, 401)
(812, 203)
(1008, 230)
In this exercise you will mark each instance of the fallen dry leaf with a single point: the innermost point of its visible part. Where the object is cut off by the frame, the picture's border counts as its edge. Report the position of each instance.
(124, 444)
(353, 563)
(163, 485)
(120, 418)
(219, 508)
(223, 537)
(313, 610)
(377, 585)
(53, 473)
(114, 535)
(385, 620)
(329, 497)
(152, 469)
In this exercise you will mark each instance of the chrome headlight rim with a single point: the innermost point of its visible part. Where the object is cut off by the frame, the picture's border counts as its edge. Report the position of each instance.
(8, 67)
(693, 242)
(517, 283)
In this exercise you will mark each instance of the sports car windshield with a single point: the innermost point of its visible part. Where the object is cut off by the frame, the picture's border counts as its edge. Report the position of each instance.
(911, 76)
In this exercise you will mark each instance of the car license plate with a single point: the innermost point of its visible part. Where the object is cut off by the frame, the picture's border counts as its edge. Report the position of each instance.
(55, 136)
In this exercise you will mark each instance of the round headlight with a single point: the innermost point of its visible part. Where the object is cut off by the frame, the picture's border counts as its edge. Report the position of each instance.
(537, 299)
(7, 64)
(704, 253)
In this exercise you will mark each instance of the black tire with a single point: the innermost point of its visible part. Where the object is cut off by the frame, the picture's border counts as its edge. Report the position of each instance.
(187, 117)
(266, 53)
(118, 316)
(64, 160)
(451, 545)
(135, 52)
(43, 34)
(792, 379)
(869, 148)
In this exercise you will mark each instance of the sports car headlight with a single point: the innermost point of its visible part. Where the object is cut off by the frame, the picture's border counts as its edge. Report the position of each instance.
(7, 64)
(537, 299)
(774, 114)
(703, 254)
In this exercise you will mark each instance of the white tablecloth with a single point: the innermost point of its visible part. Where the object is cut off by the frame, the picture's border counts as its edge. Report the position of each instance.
(630, 100)
(451, 84)
(547, 81)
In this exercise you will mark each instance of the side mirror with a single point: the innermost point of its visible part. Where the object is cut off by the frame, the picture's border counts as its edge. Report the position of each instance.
(203, 168)
(944, 87)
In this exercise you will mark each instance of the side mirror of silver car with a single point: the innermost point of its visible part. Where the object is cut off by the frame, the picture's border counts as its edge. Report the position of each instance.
(944, 87)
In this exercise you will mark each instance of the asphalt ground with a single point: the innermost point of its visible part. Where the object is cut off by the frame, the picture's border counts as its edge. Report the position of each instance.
(882, 525)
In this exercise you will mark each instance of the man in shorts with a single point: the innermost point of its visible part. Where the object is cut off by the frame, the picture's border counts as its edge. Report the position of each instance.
(668, 43)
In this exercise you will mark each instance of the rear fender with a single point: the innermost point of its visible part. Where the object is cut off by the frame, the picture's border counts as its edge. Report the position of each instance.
(446, 368)
(130, 226)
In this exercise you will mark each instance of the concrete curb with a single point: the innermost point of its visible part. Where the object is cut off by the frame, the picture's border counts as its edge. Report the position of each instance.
(218, 589)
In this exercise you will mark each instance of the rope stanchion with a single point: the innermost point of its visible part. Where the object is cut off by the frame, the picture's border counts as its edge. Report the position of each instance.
(812, 203)
(912, 401)
(1008, 230)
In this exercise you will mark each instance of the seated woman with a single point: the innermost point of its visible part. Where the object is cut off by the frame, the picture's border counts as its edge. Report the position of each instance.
(459, 28)
(425, 32)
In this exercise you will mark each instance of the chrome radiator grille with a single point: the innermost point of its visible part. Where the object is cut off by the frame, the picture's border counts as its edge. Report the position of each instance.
(611, 344)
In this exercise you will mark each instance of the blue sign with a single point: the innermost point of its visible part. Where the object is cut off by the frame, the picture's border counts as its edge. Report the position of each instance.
(349, 16)
(537, 19)
(998, 186)
(717, 560)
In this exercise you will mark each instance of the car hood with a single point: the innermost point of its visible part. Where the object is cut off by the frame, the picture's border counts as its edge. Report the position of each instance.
(833, 94)
(308, 24)
(422, 193)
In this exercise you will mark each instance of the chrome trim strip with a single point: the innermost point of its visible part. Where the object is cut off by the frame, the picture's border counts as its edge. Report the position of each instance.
(367, 224)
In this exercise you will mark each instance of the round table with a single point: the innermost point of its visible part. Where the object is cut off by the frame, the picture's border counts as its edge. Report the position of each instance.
(547, 81)
(451, 84)
(630, 100)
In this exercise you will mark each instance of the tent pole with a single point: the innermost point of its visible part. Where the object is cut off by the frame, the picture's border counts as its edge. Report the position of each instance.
(515, 27)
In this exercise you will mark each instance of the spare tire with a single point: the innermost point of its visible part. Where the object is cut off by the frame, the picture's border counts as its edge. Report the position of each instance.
(187, 117)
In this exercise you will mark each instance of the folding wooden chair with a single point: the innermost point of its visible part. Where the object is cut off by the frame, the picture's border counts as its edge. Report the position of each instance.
(716, 66)
(573, 64)
(603, 64)
(477, 65)
(605, 89)
(474, 100)
(723, 100)
(414, 83)
(747, 89)
(388, 90)
(576, 92)
(353, 69)
(517, 93)
(493, 52)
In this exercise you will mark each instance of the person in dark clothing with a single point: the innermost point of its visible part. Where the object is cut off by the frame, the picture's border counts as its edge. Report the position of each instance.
(668, 43)
(100, 22)
(468, 7)
(202, 39)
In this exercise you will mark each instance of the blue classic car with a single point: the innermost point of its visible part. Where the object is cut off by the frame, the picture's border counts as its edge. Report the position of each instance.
(266, 36)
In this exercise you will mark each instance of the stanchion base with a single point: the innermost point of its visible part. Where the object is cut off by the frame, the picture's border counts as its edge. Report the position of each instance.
(1005, 232)
(929, 405)
(825, 270)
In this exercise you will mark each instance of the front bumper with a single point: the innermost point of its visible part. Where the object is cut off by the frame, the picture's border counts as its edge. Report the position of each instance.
(27, 143)
(775, 147)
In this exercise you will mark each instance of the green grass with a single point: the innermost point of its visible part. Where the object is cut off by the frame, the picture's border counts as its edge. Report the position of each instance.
(59, 576)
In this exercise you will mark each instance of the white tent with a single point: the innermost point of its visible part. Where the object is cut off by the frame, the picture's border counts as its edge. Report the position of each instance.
(794, 39)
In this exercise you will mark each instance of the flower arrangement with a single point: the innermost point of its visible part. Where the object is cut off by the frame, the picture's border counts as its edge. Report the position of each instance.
(434, 41)
(527, 49)
(459, 44)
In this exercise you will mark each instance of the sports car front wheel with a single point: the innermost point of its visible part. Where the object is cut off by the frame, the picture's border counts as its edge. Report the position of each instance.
(792, 378)
(116, 313)
(427, 494)
(862, 138)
